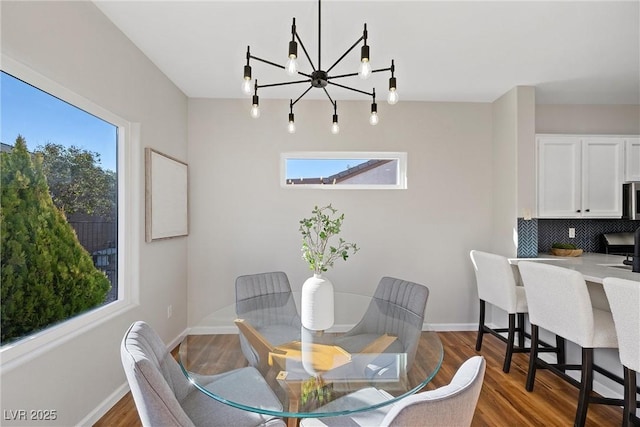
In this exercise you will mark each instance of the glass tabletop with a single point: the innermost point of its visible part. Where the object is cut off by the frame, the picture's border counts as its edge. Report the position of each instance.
(374, 346)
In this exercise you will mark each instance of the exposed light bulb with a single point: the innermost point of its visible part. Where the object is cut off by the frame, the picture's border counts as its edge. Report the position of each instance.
(246, 86)
(393, 96)
(255, 111)
(292, 66)
(373, 118)
(335, 129)
(365, 69)
(291, 127)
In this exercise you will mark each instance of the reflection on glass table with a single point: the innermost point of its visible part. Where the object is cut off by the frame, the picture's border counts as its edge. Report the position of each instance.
(309, 369)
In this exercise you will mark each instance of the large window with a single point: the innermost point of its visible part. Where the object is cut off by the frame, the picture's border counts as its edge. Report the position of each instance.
(64, 201)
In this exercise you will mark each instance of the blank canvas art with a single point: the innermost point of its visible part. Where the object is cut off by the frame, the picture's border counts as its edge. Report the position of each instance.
(166, 196)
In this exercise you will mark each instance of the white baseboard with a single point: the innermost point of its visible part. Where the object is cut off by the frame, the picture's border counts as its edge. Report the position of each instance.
(105, 406)
(449, 327)
(177, 340)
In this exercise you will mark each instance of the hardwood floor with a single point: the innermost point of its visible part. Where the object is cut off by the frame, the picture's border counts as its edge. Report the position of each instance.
(503, 400)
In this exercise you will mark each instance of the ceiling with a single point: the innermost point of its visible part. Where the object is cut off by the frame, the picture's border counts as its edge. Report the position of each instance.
(572, 52)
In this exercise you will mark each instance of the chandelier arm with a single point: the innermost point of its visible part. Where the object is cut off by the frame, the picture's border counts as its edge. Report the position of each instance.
(342, 76)
(304, 49)
(329, 96)
(303, 94)
(351, 88)
(381, 70)
(267, 62)
(284, 84)
(346, 53)
(278, 65)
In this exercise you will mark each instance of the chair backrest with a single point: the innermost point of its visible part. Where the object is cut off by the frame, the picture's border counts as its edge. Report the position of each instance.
(266, 298)
(558, 300)
(624, 300)
(397, 308)
(495, 280)
(451, 405)
(156, 381)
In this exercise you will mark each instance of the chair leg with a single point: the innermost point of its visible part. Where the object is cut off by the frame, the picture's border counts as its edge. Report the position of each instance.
(630, 404)
(533, 356)
(510, 339)
(586, 385)
(560, 352)
(521, 330)
(480, 326)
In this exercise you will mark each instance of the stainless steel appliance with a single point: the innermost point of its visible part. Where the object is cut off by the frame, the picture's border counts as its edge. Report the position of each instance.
(618, 243)
(635, 263)
(631, 200)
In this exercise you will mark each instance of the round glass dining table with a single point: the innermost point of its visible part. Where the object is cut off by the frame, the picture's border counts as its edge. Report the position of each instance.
(374, 346)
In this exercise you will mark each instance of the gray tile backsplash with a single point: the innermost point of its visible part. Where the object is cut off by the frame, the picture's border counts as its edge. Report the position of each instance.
(537, 235)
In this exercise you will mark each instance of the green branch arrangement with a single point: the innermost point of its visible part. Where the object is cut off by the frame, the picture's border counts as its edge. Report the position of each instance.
(316, 233)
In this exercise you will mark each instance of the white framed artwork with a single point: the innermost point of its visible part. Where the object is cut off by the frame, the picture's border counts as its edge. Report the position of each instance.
(166, 196)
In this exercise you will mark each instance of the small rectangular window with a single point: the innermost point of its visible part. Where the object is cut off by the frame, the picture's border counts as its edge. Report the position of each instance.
(344, 170)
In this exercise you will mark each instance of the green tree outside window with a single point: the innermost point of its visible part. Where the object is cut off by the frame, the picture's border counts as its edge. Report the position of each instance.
(47, 276)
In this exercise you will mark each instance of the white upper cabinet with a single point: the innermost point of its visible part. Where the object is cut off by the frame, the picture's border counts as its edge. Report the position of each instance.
(558, 176)
(632, 163)
(602, 174)
(579, 176)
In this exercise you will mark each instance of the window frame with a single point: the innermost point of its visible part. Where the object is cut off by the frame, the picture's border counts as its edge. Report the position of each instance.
(401, 178)
(128, 169)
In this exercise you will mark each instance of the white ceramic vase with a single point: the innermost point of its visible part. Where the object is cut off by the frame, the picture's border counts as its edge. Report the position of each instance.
(316, 305)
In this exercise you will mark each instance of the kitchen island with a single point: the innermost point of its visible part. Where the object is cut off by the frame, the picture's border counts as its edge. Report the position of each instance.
(594, 267)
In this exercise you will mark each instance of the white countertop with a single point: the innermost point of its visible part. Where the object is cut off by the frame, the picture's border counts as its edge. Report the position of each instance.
(593, 266)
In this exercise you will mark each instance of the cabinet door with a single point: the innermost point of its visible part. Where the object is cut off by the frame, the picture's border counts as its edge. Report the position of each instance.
(602, 173)
(559, 174)
(632, 155)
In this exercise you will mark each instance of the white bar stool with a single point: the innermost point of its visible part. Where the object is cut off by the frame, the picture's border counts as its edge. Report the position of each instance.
(624, 300)
(559, 302)
(497, 286)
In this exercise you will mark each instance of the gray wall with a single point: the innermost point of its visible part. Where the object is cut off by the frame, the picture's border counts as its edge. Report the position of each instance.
(243, 222)
(513, 184)
(588, 119)
(73, 44)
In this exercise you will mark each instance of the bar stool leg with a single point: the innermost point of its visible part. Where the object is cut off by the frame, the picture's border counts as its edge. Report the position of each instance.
(533, 357)
(630, 404)
(586, 385)
(510, 340)
(521, 330)
(560, 352)
(480, 326)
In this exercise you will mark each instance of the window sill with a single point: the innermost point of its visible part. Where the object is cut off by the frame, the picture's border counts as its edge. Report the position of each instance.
(17, 353)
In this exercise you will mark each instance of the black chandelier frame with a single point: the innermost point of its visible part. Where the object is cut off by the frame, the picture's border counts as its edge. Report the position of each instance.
(319, 78)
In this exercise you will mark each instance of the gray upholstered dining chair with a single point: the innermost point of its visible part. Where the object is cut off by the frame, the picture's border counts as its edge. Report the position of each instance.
(450, 405)
(165, 397)
(559, 302)
(497, 286)
(624, 300)
(265, 301)
(397, 308)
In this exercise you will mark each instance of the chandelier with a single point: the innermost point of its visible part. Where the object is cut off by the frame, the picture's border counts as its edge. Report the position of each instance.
(319, 78)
